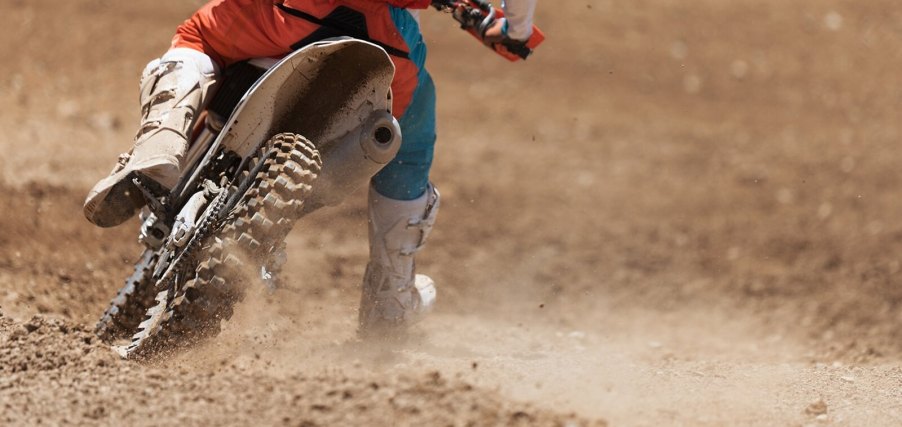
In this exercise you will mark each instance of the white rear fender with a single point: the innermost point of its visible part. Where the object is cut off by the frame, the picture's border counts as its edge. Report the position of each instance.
(322, 91)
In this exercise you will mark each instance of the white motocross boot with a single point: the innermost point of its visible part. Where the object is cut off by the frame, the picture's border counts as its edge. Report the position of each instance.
(393, 296)
(174, 89)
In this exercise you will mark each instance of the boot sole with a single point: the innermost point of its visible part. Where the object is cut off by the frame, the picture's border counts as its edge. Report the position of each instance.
(114, 200)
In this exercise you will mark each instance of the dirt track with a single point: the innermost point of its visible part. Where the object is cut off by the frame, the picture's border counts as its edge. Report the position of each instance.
(676, 213)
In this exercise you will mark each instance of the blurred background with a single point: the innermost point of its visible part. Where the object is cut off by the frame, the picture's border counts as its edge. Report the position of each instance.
(702, 188)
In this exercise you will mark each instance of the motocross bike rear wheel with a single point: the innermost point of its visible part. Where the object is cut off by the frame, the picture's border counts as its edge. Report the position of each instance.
(270, 197)
(127, 309)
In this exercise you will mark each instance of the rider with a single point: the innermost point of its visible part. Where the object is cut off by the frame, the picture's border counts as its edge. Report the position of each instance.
(402, 202)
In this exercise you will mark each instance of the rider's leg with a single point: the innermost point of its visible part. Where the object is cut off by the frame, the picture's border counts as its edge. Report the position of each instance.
(174, 89)
(393, 295)
(402, 209)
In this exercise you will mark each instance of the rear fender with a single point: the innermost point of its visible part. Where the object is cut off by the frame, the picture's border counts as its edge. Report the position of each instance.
(323, 91)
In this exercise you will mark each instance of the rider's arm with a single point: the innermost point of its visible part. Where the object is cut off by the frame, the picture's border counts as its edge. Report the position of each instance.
(519, 15)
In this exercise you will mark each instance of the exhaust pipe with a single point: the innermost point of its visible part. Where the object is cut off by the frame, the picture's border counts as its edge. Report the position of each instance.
(355, 159)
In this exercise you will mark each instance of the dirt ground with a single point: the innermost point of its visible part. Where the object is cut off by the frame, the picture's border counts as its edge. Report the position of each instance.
(676, 213)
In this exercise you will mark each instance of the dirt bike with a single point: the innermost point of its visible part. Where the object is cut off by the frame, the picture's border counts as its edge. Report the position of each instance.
(279, 139)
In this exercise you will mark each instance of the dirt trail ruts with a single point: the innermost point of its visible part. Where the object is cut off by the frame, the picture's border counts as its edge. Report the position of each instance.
(675, 213)
(628, 366)
(296, 348)
(53, 372)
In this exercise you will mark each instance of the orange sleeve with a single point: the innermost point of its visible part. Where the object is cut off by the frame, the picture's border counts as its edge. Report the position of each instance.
(194, 32)
(234, 30)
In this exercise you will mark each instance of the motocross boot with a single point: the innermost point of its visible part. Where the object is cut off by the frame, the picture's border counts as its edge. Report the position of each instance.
(173, 92)
(393, 295)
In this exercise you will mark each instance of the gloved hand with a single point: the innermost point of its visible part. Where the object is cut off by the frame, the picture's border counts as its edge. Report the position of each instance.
(496, 34)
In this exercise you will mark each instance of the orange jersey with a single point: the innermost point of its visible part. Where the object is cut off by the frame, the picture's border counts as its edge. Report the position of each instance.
(230, 31)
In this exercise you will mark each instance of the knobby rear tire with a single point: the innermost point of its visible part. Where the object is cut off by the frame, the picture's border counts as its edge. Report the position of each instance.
(232, 258)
